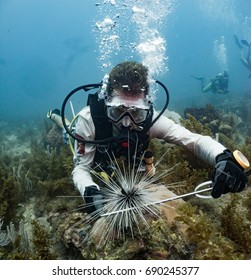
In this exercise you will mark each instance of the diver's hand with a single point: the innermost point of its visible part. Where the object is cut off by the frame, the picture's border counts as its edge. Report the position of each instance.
(50, 112)
(228, 175)
(93, 199)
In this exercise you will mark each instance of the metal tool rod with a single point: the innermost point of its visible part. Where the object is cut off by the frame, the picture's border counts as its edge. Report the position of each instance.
(163, 200)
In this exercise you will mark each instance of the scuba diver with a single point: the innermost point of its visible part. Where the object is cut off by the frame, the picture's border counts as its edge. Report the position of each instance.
(246, 61)
(217, 85)
(120, 120)
(55, 116)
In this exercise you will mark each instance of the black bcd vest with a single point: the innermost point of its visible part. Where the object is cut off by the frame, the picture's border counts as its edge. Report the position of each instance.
(104, 130)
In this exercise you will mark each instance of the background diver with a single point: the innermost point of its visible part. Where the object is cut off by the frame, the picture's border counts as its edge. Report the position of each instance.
(125, 113)
(246, 61)
(217, 85)
(55, 116)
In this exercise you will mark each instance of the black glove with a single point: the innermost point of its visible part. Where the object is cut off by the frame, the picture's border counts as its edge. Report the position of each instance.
(228, 175)
(93, 199)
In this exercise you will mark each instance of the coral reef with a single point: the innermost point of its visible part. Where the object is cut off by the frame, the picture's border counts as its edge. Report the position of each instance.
(206, 240)
(219, 121)
(41, 215)
(52, 138)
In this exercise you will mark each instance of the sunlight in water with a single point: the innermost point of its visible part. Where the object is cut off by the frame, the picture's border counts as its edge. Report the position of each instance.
(246, 29)
(219, 10)
(220, 52)
(132, 29)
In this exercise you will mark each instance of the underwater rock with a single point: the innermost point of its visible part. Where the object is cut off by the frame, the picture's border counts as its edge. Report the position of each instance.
(214, 124)
(168, 209)
(203, 115)
(232, 119)
(73, 229)
(225, 128)
(88, 238)
(53, 139)
(173, 115)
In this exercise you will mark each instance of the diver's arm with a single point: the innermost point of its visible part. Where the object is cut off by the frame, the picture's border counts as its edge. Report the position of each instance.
(246, 61)
(84, 153)
(243, 60)
(203, 147)
(207, 87)
(249, 58)
(58, 120)
(203, 86)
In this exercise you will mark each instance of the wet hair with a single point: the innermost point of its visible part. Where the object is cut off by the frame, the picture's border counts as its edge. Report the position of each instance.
(130, 77)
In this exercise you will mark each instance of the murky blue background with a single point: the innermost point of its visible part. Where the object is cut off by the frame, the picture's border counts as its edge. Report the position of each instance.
(49, 47)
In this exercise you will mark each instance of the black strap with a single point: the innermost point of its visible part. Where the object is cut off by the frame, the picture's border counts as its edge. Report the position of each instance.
(103, 130)
(103, 127)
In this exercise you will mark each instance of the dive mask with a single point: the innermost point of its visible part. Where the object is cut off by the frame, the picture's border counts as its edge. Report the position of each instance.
(127, 112)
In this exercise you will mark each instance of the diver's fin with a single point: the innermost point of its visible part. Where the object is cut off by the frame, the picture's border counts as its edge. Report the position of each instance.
(237, 41)
(245, 42)
(197, 78)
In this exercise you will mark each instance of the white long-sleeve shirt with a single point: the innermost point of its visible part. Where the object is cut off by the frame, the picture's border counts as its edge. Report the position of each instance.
(204, 147)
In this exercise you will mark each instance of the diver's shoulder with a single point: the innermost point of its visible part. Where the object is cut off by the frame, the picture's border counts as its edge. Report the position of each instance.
(85, 112)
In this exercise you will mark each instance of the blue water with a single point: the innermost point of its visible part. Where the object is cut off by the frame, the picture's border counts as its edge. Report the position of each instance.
(49, 47)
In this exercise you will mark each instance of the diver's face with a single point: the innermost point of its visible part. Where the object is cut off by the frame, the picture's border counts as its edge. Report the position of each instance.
(127, 109)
